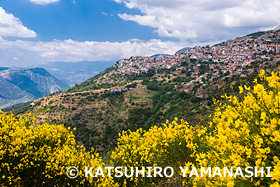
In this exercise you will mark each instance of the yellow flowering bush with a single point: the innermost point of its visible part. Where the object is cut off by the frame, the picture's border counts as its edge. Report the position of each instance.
(245, 131)
(39, 155)
(171, 145)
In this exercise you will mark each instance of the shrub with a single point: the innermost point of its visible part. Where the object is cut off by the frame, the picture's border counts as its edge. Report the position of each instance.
(172, 144)
(39, 155)
(247, 132)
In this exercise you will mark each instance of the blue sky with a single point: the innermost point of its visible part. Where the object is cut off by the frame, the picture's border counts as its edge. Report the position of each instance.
(80, 20)
(37, 31)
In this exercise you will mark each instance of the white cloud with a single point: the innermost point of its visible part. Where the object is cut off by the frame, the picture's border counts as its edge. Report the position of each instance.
(204, 20)
(71, 51)
(104, 13)
(12, 26)
(45, 2)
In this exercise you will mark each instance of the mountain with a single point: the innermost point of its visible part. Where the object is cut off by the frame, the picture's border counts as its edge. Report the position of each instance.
(76, 72)
(184, 49)
(21, 85)
(159, 55)
(143, 91)
(3, 68)
(277, 28)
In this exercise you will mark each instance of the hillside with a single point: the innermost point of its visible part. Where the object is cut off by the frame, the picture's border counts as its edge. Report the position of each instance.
(144, 91)
(21, 85)
(99, 115)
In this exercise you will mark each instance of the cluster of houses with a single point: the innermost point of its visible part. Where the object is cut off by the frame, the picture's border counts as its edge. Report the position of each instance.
(235, 53)
(140, 64)
(230, 56)
(118, 89)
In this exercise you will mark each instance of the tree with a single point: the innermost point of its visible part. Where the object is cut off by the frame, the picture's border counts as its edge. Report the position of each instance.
(151, 72)
(153, 86)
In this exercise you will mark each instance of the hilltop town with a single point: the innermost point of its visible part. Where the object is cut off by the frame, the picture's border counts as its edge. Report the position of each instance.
(206, 63)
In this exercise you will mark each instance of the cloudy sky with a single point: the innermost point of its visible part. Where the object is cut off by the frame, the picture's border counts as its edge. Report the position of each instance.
(37, 31)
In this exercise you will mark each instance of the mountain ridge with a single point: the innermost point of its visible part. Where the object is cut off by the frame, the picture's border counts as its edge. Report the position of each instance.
(26, 84)
(159, 55)
(183, 49)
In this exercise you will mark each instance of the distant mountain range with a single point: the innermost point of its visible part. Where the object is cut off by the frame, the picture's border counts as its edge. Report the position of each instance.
(21, 85)
(76, 72)
(277, 28)
(179, 51)
(184, 49)
(159, 55)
